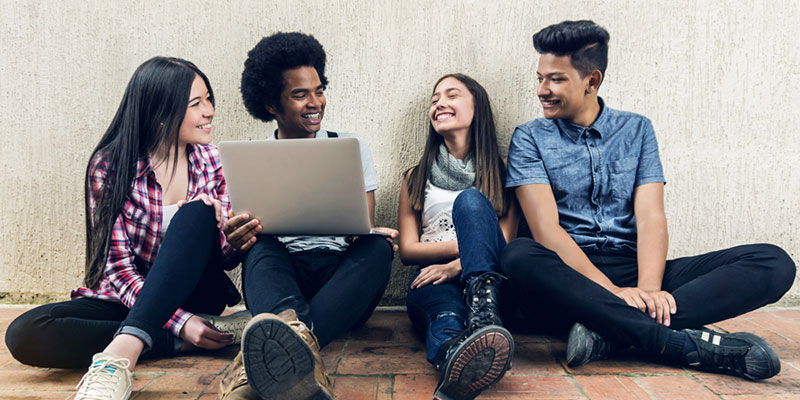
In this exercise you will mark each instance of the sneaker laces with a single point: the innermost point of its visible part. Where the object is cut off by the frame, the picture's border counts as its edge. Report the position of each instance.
(719, 358)
(307, 335)
(101, 379)
(241, 377)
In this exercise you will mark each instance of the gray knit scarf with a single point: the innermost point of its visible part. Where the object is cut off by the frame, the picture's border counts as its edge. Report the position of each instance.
(448, 172)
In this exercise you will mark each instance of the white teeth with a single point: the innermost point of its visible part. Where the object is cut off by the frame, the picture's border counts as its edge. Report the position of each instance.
(311, 116)
(443, 116)
(206, 126)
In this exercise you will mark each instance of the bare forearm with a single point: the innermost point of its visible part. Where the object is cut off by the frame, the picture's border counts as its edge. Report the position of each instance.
(419, 253)
(652, 246)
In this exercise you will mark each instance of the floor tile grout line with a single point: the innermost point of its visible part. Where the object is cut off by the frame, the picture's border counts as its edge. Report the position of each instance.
(696, 379)
(144, 388)
(577, 385)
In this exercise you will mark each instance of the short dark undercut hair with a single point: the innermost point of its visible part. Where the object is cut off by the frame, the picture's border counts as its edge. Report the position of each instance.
(262, 79)
(585, 42)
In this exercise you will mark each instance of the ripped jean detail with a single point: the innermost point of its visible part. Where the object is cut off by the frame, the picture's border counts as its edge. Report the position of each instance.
(445, 325)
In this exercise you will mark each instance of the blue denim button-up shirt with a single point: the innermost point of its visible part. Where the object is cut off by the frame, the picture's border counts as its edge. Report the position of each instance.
(592, 172)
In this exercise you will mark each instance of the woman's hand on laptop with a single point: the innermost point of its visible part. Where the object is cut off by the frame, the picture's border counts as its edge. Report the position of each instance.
(391, 235)
(240, 231)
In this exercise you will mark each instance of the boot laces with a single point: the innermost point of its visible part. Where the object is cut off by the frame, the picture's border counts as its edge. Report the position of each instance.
(482, 305)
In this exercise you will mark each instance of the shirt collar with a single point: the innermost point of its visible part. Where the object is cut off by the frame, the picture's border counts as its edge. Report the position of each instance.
(143, 166)
(196, 161)
(574, 132)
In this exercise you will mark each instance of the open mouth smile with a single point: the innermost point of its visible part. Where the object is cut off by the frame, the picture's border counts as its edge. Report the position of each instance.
(444, 116)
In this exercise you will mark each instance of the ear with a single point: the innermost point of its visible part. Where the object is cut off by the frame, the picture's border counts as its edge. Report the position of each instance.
(270, 109)
(593, 81)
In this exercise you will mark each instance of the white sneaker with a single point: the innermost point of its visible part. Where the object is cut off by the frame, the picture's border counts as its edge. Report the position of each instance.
(233, 323)
(108, 379)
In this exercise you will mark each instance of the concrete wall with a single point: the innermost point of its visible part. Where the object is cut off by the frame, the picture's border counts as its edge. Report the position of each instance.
(718, 79)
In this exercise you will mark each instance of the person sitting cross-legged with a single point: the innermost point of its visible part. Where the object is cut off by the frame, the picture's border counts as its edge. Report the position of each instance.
(590, 184)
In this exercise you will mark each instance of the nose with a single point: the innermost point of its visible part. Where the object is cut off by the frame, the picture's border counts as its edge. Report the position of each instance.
(208, 109)
(543, 89)
(314, 100)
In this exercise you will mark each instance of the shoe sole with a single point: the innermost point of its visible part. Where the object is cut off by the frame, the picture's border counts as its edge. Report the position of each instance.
(278, 362)
(774, 362)
(577, 350)
(478, 363)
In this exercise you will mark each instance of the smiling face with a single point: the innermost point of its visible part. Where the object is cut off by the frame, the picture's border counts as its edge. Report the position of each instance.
(302, 103)
(562, 91)
(452, 107)
(196, 125)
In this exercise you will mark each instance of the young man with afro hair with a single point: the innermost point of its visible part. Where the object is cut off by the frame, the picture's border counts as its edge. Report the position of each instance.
(303, 291)
(590, 184)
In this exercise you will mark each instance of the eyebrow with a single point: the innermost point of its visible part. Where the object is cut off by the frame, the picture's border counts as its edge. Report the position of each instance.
(196, 98)
(301, 90)
(551, 74)
(447, 91)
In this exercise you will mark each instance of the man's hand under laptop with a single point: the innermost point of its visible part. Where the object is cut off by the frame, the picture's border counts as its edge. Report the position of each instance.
(240, 231)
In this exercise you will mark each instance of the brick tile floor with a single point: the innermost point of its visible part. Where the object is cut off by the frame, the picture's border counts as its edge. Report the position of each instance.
(384, 360)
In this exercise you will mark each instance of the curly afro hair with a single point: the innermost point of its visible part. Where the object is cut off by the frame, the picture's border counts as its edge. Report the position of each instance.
(262, 79)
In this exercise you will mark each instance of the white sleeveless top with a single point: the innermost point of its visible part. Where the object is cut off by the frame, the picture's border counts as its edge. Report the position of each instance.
(167, 212)
(437, 214)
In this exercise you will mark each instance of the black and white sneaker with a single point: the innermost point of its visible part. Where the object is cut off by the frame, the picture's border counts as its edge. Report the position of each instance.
(470, 363)
(585, 346)
(741, 354)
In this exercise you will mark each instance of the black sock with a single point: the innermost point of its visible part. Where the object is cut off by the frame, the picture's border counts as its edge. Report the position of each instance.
(678, 346)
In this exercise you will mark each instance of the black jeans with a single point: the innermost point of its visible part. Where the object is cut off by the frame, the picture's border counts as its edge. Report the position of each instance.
(707, 288)
(331, 291)
(187, 273)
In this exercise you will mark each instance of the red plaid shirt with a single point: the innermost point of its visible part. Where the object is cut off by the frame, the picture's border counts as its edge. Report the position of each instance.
(137, 231)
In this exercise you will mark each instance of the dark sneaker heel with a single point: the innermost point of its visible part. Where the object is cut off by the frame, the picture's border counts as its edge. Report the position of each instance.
(585, 346)
(477, 363)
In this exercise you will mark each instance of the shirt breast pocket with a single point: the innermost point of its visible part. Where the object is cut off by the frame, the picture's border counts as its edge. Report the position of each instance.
(622, 175)
(137, 215)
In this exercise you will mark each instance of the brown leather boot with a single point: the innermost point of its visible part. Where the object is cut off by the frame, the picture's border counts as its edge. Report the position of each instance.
(281, 357)
(233, 385)
(320, 373)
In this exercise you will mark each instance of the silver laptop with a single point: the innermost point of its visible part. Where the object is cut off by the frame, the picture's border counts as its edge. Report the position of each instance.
(298, 186)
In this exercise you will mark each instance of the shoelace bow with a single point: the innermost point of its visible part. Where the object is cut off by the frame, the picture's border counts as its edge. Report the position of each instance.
(308, 336)
(101, 382)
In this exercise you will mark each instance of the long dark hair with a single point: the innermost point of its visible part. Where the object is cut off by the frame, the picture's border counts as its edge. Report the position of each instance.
(490, 171)
(148, 119)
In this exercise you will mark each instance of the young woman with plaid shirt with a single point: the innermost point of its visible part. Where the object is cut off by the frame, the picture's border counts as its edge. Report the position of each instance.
(156, 208)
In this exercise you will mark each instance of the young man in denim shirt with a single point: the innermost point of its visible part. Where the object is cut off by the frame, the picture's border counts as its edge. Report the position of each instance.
(590, 184)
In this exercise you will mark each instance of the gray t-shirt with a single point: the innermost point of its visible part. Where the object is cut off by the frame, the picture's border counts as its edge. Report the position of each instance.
(336, 243)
